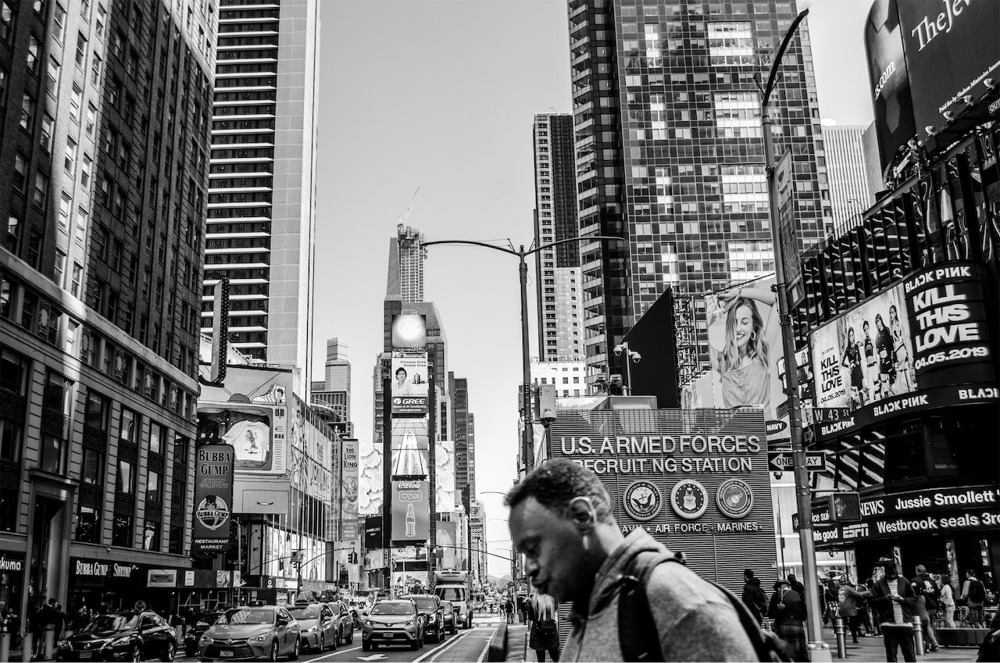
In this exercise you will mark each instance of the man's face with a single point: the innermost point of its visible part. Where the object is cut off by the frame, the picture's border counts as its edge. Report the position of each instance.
(553, 547)
(890, 571)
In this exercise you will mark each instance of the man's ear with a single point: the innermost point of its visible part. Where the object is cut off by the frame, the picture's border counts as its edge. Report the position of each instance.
(582, 514)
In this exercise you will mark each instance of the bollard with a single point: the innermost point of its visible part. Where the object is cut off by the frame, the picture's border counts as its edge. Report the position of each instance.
(4, 647)
(918, 636)
(26, 646)
(50, 643)
(841, 633)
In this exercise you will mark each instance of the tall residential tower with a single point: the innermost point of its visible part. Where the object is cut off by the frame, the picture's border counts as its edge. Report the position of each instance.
(850, 194)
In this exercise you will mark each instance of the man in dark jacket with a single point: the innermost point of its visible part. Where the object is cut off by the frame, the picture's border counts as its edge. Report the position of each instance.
(893, 599)
(926, 592)
(753, 596)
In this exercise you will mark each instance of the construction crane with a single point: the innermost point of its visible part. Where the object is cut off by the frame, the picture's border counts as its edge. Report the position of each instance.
(406, 213)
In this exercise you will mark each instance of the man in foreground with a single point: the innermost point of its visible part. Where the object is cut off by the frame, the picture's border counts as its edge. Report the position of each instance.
(892, 596)
(561, 520)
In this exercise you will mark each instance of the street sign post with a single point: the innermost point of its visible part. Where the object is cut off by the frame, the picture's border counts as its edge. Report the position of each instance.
(781, 461)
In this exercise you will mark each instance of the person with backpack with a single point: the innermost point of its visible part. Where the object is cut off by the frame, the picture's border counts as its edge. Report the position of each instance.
(632, 599)
(851, 607)
(974, 595)
(509, 610)
(543, 631)
(927, 595)
(753, 596)
(787, 609)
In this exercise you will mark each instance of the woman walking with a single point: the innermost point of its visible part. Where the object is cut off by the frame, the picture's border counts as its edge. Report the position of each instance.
(543, 633)
(947, 601)
(788, 613)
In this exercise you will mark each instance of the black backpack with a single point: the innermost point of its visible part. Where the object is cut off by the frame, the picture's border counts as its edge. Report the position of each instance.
(977, 591)
(925, 587)
(637, 633)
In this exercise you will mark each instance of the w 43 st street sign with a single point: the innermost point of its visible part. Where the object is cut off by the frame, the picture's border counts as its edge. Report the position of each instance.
(781, 461)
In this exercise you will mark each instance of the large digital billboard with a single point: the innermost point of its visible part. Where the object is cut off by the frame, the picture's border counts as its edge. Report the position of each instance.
(444, 474)
(213, 498)
(910, 346)
(746, 353)
(696, 480)
(409, 331)
(409, 448)
(349, 490)
(411, 511)
(409, 383)
(889, 82)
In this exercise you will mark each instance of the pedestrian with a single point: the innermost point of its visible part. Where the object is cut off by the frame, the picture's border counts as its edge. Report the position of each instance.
(561, 520)
(851, 607)
(947, 601)
(543, 632)
(926, 591)
(989, 649)
(794, 583)
(522, 616)
(787, 609)
(893, 598)
(974, 595)
(509, 609)
(753, 596)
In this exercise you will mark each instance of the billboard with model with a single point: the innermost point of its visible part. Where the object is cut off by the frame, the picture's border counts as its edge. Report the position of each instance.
(409, 383)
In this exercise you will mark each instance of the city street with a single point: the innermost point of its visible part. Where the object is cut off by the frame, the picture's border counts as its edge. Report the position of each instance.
(467, 645)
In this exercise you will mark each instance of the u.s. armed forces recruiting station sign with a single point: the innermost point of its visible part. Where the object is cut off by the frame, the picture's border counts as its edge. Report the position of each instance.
(213, 498)
(697, 480)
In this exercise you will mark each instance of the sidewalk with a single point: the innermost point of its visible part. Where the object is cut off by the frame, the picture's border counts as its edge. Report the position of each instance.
(517, 643)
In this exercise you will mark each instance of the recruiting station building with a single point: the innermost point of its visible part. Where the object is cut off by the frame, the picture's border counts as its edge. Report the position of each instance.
(696, 480)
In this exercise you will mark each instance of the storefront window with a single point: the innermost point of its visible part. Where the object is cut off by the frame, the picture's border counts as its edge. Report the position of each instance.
(92, 467)
(88, 524)
(125, 478)
(121, 531)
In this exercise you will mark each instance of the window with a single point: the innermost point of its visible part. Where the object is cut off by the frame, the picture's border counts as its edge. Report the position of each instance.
(156, 436)
(45, 135)
(77, 278)
(8, 509)
(11, 440)
(52, 77)
(125, 477)
(151, 535)
(59, 17)
(92, 467)
(69, 161)
(60, 267)
(53, 454)
(91, 116)
(33, 48)
(27, 112)
(88, 523)
(6, 20)
(81, 48)
(88, 165)
(41, 194)
(57, 393)
(154, 487)
(129, 425)
(75, 101)
(181, 450)
(121, 531)
(96, 411)
(20, 178)
(13, 372)
(95, 69)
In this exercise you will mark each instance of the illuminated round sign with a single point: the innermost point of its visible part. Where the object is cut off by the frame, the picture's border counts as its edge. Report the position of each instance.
(212, 512)
(689, 499)
(642, 500)
(734, 498)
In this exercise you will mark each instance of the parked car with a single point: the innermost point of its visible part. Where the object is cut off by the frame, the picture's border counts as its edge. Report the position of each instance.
(430, 606)
(345, 622)
(450, 623)
(202, 620)
(129, 636)
(317, 625)
(249, 633)
(391, 623)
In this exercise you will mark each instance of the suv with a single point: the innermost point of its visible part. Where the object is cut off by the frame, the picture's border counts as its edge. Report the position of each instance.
(391, 623)
(430, 607)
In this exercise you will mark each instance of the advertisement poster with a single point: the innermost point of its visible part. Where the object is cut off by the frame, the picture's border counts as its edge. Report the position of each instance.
(213, 498)
(889, 83)
(409, 331)
(411, 511)
(696, 480)
(447, 538)
(747, 359)
(410, 448)
(349, 490)
(373, 532)
(444, 461)
(409, 383)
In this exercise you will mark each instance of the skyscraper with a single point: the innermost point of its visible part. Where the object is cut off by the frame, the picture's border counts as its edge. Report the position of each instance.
(669, 151)
(406, 264)
(335, 391)
(850, 194)
(558, 281)
(105, 143)
(261, 209)
(465, 435)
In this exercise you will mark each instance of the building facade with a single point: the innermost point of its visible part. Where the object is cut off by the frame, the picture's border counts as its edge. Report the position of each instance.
(261, 208)
(670, 156)
(465, 435)
(850, 194)
(332, 396)
(558, 281)
(569, 377)
(105, 134)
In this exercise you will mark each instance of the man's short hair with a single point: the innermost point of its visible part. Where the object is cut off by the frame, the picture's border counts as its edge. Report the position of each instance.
(921, 569)
(556, 483)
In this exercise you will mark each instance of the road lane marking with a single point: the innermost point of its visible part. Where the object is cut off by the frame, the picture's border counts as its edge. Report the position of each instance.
(334, 653)
(486, 649)
(440, 649)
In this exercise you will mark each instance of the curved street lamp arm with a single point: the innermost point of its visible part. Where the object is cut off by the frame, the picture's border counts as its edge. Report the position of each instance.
(473, 243)
(589, 238)
(777, 58)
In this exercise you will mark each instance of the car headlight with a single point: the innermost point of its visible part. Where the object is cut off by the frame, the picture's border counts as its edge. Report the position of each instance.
(206, 640)
(408, 623)
(312, 629)
(368, 623)
(432, 618)
(120, 642)
(258, 638)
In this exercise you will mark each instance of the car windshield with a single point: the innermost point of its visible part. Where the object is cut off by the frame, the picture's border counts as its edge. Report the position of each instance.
(446, 606)
(247, 616)
(451, 593)
(393, 609)
(305, 612)
(112, 623)
(426, 604)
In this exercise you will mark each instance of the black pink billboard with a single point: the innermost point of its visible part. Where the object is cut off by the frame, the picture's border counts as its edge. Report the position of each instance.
(920, 344)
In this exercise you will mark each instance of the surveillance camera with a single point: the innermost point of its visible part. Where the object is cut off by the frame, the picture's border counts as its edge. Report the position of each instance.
(636, 357)
(618, 351)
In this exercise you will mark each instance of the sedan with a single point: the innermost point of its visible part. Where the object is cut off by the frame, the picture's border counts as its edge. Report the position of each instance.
(317, 626)
(345, 622)
(255, 633)
(130, 636)
(393, 623)
(201, 624)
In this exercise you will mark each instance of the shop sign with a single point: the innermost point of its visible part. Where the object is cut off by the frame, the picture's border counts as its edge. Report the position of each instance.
(161, 578)
(213, 498)
(189, 578)
(8, 564)
(907, 524)
(82, 567)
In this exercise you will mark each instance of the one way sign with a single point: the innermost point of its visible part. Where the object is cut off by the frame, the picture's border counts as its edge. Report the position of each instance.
(781, 461)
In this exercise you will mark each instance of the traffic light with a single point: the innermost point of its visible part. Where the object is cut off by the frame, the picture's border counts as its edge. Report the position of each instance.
(546, 404)
(844, 507)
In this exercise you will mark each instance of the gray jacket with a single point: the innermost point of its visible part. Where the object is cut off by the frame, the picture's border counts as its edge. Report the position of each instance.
(695, 620)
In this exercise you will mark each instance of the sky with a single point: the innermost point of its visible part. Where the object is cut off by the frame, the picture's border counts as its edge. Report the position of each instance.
(440, 95)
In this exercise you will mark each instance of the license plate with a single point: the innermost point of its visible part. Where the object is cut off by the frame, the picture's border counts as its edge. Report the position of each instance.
(85, 654)
(226, 654)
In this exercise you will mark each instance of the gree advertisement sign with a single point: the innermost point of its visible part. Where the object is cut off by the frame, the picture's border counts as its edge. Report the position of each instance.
(409, 383)
(696, 480)
(213, 498)
(919, 344)
(411, 511)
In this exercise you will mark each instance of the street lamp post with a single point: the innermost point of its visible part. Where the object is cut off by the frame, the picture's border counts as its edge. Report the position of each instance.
(527, 440)
(818, 650)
